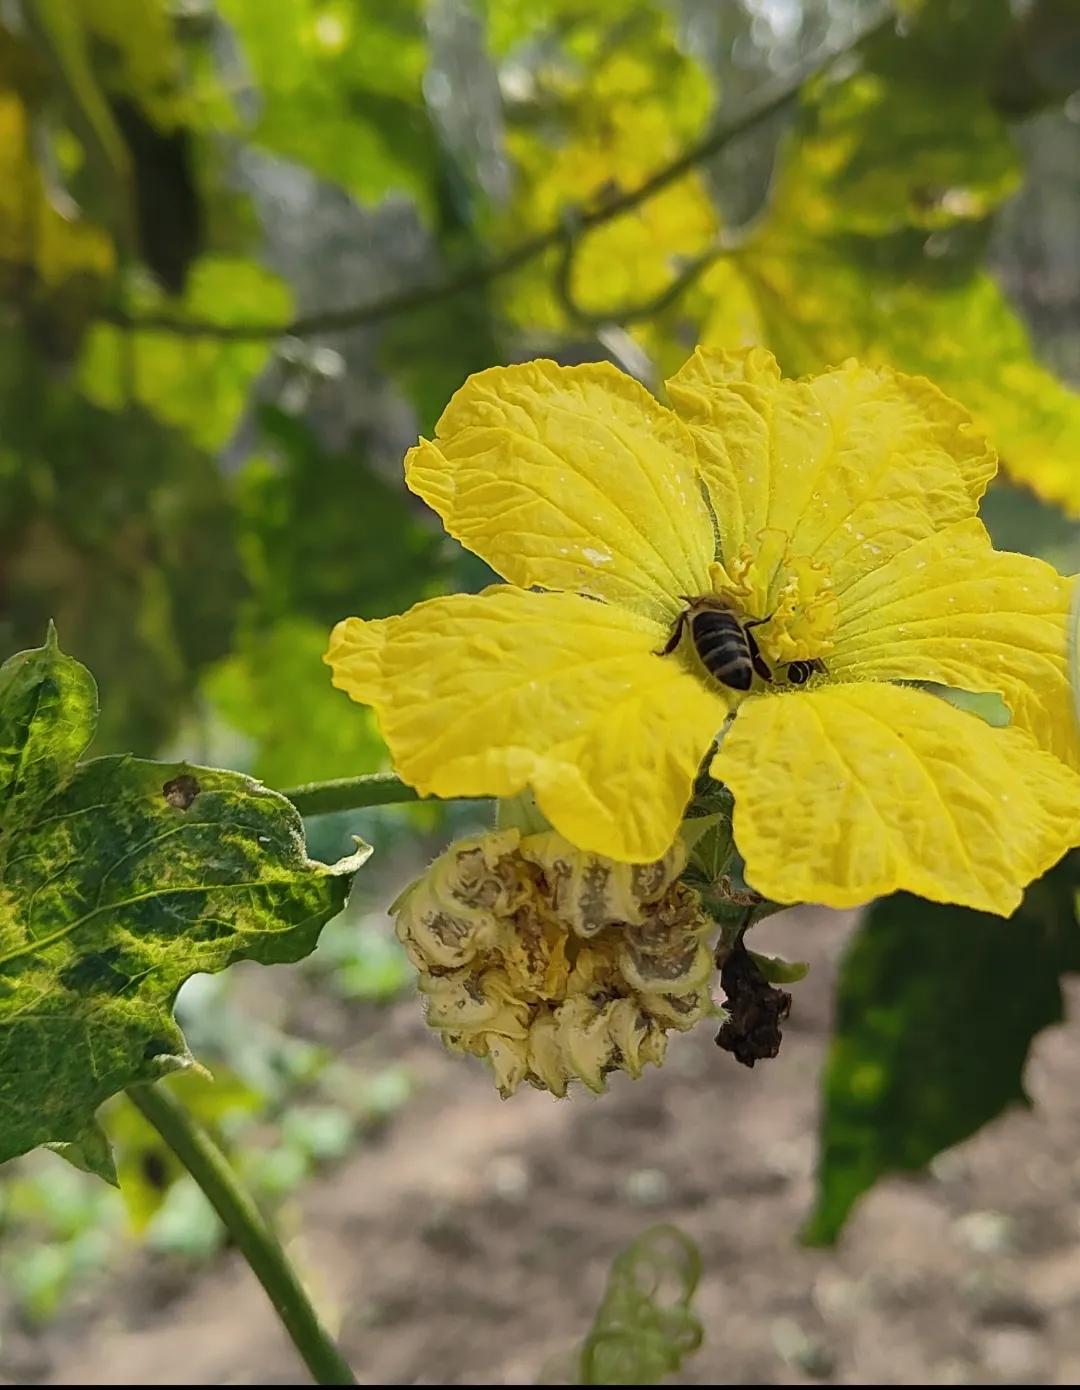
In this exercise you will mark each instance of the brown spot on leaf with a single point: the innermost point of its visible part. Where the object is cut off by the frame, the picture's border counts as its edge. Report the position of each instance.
(181, 791)
(756, 1009)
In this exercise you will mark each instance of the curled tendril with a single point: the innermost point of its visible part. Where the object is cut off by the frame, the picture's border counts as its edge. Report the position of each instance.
(645, 1325)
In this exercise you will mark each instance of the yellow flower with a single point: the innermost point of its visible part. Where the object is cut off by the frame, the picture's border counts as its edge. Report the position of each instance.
(842, 508)
(555, 964)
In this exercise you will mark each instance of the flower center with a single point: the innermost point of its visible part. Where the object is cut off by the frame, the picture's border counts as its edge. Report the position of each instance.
(794, 591)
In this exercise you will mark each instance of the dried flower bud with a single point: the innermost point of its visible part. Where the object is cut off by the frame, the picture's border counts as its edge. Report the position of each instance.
(555, 964)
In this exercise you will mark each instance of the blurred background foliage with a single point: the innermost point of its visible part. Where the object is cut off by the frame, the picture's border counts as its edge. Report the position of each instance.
(248, 249)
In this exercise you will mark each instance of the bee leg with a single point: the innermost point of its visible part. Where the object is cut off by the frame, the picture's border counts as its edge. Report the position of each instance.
(673, 640)
(758, 662)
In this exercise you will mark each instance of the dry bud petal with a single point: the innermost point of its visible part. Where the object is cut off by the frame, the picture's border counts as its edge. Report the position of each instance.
(554, 964)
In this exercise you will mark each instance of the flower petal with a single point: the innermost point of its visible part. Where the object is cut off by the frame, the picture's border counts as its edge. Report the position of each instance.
(571, 478)
(850, 791)
(484, 694)
(953, 609)
(852, 465)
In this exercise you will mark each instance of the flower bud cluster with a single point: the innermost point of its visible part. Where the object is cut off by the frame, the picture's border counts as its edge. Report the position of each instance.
(556, 964)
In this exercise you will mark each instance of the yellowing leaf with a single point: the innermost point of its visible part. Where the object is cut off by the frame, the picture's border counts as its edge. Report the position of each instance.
(570, 478)
(813, 304)
(848, 792)
(874, 153)
(952, 609)
(35, 234)
(483, 695)
(598, 115)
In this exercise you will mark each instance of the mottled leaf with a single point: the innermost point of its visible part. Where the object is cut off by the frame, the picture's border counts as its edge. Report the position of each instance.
(937, 1007)
(119, 879)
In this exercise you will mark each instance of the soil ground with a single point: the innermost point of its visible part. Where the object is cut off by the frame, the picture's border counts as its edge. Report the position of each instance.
(470, 1242)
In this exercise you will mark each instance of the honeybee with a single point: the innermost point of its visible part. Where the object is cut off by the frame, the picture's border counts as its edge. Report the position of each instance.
(723, 642)
(799, 672)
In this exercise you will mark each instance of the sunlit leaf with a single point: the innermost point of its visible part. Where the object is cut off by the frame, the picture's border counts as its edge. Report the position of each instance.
(597, 114)
(911, 138)
(136, 53)
(337, 87)
(815, 303)
(937, 1008)
(50, 250)
(121, 878)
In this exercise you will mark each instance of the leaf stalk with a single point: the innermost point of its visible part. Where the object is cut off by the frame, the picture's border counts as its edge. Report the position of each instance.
(202, 1158)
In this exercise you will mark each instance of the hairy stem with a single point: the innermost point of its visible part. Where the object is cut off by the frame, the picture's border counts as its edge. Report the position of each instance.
(350, 793)
(209, 1167)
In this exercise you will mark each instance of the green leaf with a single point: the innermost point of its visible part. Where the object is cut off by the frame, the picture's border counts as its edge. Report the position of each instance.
(319, 529)
(258, 691)
(124, 532)
(90, 1153)
(120, 879)
(340, 90)
(778, 971)
(199, 385)
(937, 1007)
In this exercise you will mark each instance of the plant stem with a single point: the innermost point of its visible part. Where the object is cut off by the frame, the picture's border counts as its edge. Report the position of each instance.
(211, 1170)
(354, 793)
(350, 793)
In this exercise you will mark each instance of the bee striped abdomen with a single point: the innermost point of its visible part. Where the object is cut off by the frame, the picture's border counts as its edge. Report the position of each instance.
(724, 648)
